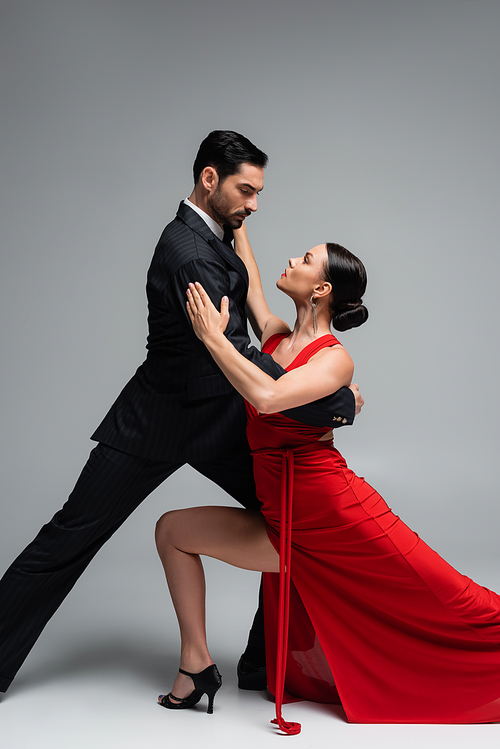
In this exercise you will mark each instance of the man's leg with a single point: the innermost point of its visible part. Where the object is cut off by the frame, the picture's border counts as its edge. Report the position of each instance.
(234, 474)
(111, 485)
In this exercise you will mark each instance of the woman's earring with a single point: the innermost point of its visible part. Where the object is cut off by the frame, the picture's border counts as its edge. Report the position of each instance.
(314, 314)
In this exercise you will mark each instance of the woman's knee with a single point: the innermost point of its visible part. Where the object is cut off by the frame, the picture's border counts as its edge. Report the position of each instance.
(165, 526)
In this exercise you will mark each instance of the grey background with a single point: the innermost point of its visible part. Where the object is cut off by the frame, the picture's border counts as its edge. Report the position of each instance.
(381, 121)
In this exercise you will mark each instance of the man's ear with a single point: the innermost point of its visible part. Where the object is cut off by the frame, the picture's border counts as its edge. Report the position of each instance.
(209, 178)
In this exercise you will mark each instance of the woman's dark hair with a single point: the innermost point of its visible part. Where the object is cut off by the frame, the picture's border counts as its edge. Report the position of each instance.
(347, 275)
(226, 150)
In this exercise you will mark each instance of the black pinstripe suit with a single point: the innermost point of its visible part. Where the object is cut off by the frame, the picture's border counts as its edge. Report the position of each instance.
(178, 408)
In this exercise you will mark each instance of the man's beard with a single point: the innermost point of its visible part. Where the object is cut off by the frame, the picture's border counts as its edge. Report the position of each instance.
(218, 204)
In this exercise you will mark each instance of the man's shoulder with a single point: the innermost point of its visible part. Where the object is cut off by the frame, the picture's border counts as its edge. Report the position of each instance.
(180, 244)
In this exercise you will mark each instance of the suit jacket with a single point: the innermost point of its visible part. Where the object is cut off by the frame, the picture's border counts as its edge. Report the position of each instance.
(179, 406)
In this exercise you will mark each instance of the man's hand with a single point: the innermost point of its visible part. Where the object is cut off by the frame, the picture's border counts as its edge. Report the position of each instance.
(360, 401)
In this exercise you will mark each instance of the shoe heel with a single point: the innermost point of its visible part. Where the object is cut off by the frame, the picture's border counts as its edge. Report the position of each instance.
(211, 697)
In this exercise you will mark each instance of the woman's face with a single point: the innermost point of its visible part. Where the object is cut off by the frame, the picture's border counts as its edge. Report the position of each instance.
(304, 273)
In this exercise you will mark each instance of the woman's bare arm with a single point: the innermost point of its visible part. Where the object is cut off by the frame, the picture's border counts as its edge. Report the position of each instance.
(326, 372)
(263, 322)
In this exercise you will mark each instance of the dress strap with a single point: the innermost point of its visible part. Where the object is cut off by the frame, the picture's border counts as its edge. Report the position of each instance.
(324, 341)
(272, 342)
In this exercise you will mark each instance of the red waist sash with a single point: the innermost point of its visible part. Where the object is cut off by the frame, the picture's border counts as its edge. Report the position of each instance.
(286, 503)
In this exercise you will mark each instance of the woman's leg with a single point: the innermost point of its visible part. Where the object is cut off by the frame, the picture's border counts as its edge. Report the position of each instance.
(238, 537)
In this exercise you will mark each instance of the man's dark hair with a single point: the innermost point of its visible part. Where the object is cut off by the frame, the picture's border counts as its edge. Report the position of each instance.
(226, 150)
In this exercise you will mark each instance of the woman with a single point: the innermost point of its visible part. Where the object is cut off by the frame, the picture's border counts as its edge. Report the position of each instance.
(376, 617)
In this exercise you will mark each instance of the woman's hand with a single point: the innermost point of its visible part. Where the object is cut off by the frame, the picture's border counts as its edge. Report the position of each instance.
(240, 239)
(207, 322)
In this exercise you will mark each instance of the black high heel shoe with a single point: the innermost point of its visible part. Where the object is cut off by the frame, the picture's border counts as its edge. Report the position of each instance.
(206, 682)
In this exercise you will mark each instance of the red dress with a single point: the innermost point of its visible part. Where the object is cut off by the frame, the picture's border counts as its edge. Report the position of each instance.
(378, 621)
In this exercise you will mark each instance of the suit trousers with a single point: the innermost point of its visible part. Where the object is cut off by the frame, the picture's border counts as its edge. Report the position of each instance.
(110, 487)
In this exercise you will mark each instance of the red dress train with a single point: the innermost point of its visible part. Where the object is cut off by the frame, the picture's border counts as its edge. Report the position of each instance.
(377, 620)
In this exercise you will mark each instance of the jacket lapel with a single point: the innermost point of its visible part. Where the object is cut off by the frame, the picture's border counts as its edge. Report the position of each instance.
(226, 252)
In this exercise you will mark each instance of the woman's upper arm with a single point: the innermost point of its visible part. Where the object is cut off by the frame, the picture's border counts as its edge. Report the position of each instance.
(324, 374)
(258, 312)
(273, 326)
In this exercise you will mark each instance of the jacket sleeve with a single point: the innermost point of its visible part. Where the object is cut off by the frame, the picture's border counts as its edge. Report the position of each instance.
(331, 411)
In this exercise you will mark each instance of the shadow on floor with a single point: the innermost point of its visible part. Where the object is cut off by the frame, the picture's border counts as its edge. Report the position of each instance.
(115, 657)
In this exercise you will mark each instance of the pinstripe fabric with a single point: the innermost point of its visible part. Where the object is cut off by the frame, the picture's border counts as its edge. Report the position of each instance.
(110, 487)
(178, 405)
(177, 408)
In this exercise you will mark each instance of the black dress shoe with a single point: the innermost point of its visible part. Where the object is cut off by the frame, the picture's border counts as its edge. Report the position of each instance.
(251, 676)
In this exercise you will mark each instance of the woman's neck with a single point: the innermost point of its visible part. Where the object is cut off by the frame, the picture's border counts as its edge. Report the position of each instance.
(303, 330)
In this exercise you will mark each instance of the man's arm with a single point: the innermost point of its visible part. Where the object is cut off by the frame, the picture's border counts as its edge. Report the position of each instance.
(331, 411)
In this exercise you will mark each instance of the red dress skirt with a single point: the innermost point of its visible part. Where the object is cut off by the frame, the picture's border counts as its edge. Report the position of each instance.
(377, 620)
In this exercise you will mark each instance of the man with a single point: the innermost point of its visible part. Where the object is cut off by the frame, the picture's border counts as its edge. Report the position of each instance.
(178, 408)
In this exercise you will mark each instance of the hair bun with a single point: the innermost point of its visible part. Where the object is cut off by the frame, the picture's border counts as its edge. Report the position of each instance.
(345, 306)
(349, 315)
(347, 275)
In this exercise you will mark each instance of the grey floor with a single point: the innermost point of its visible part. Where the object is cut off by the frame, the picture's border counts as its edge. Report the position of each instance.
(93, 678)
